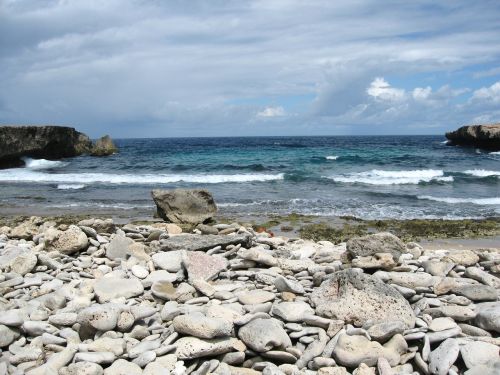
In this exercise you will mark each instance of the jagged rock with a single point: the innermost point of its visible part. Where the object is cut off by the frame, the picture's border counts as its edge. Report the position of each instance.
(104, 146)
(376, 243)
(47, 142)
(263, 335)
(184, 206)
(19, 260)
(202, 266)
(481, 136)
(358, 298)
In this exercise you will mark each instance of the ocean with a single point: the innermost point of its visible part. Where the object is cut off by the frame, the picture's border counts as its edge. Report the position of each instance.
(369, 177)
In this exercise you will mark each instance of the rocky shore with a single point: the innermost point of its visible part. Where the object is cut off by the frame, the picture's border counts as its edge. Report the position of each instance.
(480, 136)
(99, 298)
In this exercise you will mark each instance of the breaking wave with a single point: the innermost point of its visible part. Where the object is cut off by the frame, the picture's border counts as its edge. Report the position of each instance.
(381, 177)
(37, 164)
(478, 201)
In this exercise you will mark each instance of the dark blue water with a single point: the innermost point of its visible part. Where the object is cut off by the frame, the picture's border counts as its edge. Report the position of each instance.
(368, 177)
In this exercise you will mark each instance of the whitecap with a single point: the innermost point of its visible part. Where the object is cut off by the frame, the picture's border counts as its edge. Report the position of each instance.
(381, 177)
(26, 175)
(331, 157)
(37, 164)
(478, 201)
(495, 153)
(70, 186)
(482, 173)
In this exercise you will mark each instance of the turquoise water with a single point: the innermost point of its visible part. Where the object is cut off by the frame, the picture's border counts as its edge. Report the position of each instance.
(368, 177)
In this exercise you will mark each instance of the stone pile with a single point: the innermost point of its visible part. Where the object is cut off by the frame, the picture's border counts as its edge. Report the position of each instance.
(97, 298)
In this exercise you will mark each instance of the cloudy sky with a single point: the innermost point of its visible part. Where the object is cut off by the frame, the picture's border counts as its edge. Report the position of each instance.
(271, 67)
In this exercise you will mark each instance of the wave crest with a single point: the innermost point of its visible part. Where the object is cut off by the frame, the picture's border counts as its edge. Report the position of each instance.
(37, 164)
(331, 157)
(482, 173)
(478, 201)
(381, 177)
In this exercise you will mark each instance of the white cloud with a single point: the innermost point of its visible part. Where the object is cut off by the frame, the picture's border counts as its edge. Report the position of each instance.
(488, 94)
(421, 93)
(381, 90)
(272, 112)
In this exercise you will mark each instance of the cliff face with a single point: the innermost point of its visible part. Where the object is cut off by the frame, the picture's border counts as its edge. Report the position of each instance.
(481, 136)
(47, 142)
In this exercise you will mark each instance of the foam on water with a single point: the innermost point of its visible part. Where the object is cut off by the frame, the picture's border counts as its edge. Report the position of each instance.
(37, 164)
(482, 173)
(478, 201)
(25, 175)
(381, 177)
(331, 157)
(495, 153)
(70, 186)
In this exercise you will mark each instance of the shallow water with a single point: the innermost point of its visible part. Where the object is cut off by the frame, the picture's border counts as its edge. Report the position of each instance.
(398, 177)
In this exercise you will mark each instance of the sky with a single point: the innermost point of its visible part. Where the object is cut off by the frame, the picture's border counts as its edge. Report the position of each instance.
(170, 68)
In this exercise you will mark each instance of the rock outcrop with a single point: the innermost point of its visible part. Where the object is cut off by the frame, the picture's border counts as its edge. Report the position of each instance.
(46, 142)
(104, 146)
(481, 136)
(184, 206)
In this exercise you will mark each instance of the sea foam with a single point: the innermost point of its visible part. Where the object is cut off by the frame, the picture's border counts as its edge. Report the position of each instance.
(482, 173)
(331, 157)
(70, 186)
(37, 164)
(478, 201)
(381, 177)
(26, 175)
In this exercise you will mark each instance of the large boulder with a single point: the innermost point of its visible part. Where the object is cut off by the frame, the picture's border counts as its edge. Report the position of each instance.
(375, 243)
(184, 206)
(47, 142)
(66, 242)
(104, 146)
(482, 136)
(359, 298)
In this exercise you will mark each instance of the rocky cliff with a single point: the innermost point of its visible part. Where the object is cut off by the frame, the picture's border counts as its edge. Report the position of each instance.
(481, 136)
(46, 142)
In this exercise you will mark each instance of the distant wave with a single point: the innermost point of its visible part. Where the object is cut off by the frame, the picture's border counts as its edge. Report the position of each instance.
(37, 164)
(331, 157)
(381, 177)
(495, 153)
(23, 175)
(445, 142)
(478, 201)
(482, 173)
(70, 186)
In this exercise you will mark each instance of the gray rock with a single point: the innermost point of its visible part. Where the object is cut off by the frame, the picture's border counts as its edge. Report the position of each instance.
(193, 347)
(166, 290)
(256, 296)
(19, 260)
(104, 146)
(83, 368)
(170, 261)
(202, 266)
(70, 241)
(437, 268)
(488, 316)
(376, 243)
(118, 247)
(476, 353)
(108, 288)
(441, 324)
(7, 335)
(292, 311)
(123, 367)
(382, 332)
(263, 335)
(195, 242)
(198, 325)
(100, 317)
(13, 318)
(357, 298)
(184, 206)
(443, 357)
(286, 285)
(476, 293)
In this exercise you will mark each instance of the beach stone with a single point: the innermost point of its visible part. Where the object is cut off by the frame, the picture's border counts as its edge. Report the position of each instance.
(488, 316)
(382, 332)
(198, 242)
(441, 324)
(100, 317)
(477, 353)
(443, 357)
(286, 285)
(457, 313)
(482, 276)
(376, 243)
(166, 290)
(351, 351)
(193, 347)
(256, 296)
(476, 292)
(202, 266)
(184, 206)
(63, 319)
(67, 242)
(292, 311)
(123, 367)
(198, 325)
(170, 261)
(379, 261)
(437, 268)
(462, 257)
(356, 298)
(159, 275)
(118, 248)
(7, 335)
(407, 279)
(492, 368)
(263, 335)
(112, 287)
(13, 318)
(18, 259)
(139, 271)
(82, 368)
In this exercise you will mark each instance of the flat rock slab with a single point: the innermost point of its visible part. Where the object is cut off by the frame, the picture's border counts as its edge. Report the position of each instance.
(357, 298)
(108, 288)
(376, 243)
(198, 242)
(202, 266)
(193, 347)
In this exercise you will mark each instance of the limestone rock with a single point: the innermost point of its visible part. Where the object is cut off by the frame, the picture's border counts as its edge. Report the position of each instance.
(69, 241)
(202, 266)
(263, 335)
(104, 146)
(198, 325)
(108, 288)
(376, 243)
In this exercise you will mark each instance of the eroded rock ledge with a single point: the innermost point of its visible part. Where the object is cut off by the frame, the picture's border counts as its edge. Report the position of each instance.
(480, 136)
(47, 142)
